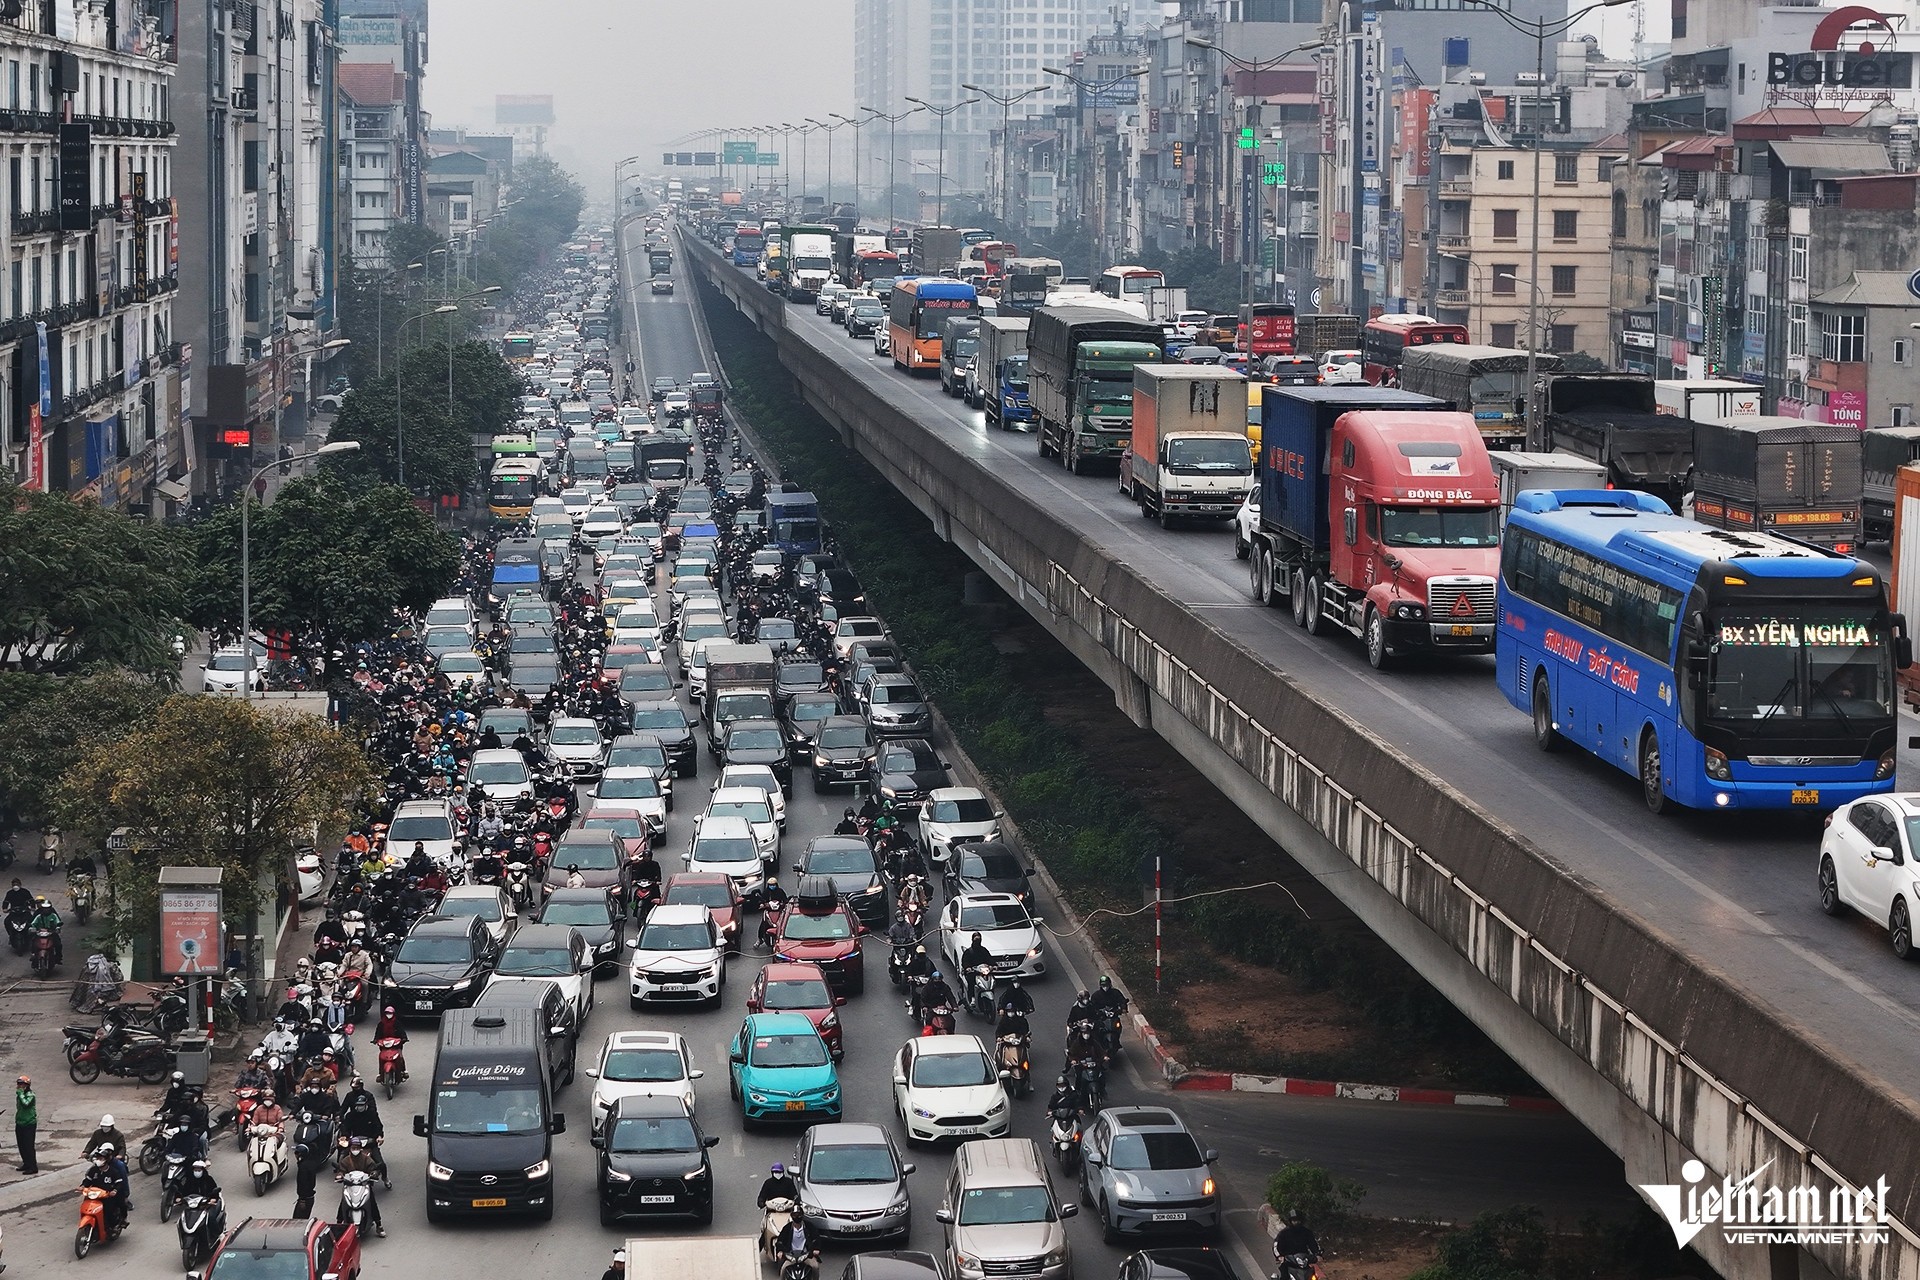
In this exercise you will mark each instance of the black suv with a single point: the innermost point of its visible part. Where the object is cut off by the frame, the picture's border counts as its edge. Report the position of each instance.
(441, 964)
(904, 770)
(558, 1022)
(653, 1162)
(759, 742)
(667, 722)
(843, 751)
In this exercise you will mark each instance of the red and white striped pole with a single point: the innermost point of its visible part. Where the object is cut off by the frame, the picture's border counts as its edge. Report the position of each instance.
(1156, 923)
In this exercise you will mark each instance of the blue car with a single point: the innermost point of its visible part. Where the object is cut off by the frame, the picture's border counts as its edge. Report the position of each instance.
(779, 1069)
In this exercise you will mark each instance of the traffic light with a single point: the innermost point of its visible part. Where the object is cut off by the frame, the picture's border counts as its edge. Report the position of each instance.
(1248, 142)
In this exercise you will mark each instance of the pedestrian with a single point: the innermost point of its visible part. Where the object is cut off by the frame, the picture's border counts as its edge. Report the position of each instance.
(618, 1271)
(26, 1121)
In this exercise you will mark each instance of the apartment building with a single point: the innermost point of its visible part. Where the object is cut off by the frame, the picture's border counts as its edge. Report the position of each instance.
(89, 361)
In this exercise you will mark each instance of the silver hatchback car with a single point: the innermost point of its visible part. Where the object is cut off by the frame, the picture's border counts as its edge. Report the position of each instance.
(1143, 1173)
(852, 1182)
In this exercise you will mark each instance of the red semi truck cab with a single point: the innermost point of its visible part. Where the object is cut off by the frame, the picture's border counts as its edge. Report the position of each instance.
(1379, 516)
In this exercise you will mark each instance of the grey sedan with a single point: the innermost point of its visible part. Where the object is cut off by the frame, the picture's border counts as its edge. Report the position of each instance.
(853, 1183)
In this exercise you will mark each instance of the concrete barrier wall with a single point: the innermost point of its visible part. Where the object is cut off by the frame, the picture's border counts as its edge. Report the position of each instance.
(1656, 1051)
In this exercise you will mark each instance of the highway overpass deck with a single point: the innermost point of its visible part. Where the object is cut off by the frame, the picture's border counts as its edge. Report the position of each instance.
(1670, 979)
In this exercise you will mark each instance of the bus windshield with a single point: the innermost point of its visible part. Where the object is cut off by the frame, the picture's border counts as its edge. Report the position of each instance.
(1802, 663)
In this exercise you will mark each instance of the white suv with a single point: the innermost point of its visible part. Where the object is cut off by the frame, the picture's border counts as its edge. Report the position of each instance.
(653, 1063)
(1245, 521)
(678, 957)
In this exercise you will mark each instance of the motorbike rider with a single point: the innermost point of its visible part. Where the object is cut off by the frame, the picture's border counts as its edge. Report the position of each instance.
(1294, 1237)
(973, 957)
(329, 933)
(269, 1112)
(933, 995)
(390, 1027)
(254, 1074)
(357, 959)
(106, 1174)
(361, 1119)
(1081, 1010)
(105, 1135)
(45, 917)
(793, 1244)
(779, 1184)
(902, 934)
(419, 863)
(1013, 1022)
(18, 906)
(180, 1095)
(1082, 1043)
(196, 1181)
(1109, 999)
(1064, 1097)
(1016, 998)
(849, 824)
(491, 825)
(486, 867)
(919, 969)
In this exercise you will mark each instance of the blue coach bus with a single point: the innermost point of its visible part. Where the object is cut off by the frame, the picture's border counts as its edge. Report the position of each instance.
(1724, 670)
(794, 519)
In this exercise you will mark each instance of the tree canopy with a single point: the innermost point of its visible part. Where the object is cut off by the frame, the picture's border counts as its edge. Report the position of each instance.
(49, 723)
(211, 782)
(439, 449)
(330, 556)
(84, 587)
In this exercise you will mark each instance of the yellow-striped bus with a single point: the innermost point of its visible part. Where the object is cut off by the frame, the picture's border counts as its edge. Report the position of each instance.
(917, 313)
(512, 487)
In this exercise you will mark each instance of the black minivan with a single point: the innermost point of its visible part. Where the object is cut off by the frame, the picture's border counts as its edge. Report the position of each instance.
(490, 1122)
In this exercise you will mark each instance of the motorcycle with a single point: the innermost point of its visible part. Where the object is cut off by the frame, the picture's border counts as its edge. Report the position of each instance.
(941, 1021)
(1297, 1266)
(1015, 1066)
(357, 1202)
(979, 993)
(1064, 1136)
(49, 851)
(780, 1213)
(1090, 1078)
(144, 1057)
(393, 1062)
(312, 875)
(267, 1156)
(173, 1167)
(203, 1220)
(646, 893)
(44, 959)
(1106, 1031)
(96, 1225)
(18, 935)
(245, 1101)
(80, 896)
(359, 1153)
(312, 1140)
(897, 963)
(519, 885)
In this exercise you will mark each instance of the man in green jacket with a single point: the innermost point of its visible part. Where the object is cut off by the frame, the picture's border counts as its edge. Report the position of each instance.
(26, 1121)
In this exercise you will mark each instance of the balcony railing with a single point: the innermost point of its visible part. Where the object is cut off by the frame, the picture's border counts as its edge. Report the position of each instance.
(17, 121)
(1455, 187)
(1453, 244)
(36, 224)
(1452, 298)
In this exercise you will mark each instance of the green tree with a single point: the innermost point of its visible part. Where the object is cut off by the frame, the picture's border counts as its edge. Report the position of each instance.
(545, 212)
(81, 587)
(48, 724)
(486, 390)
(1501, 1244)
(439, 450)
(330, 557)
(210, 782)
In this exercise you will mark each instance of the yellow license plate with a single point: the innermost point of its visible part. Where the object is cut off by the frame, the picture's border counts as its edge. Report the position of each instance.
(796, 1105)
(1806, 797)
(497, 1203)
(1462, 631)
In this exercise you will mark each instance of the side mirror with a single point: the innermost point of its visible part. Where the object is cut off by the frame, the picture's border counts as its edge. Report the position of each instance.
(556, 1030)
(591, 1073)
(559, 1124)
(838, 1001)
(419, 1126)
(634, 942)
(946, 1215)
(1880, 853)
(1069, 1210)
(712, 1141)
(695, 1074)
(596, 1142)
(1095, 1159)
(1006, 1075)
(1209, 1155)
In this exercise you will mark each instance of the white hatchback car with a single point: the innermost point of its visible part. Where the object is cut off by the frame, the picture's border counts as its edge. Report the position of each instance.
(947, 1087)
(761, 778)
(655, 1063)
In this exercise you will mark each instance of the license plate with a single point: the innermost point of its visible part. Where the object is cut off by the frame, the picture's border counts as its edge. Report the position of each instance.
(656, 1199)
(1459, 631)
(796, 1105)
(1806, 797)
(1169, 1217)
(855, 1228)
(423, 1005)
(498, 1202)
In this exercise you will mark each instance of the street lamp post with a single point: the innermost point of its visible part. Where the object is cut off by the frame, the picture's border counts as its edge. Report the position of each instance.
(893, 152)
(858, 206)
(1539, 30)
(1006, 101)
(1092, 87)
(399, 382)
(828, 129)
(619, 196)
(246, 552)
(940, 181)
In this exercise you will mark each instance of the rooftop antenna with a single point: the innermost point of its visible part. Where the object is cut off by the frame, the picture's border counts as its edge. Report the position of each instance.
(1639, 30)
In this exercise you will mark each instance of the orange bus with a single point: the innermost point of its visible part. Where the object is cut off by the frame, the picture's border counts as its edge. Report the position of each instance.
(917, 313)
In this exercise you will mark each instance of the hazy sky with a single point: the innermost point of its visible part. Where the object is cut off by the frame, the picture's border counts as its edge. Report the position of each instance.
(628, 76)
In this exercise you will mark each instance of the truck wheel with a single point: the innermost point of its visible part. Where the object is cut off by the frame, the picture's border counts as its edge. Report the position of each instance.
(1379, 657)
(1166, 520)
(1041, 436)
(1315, 617)
(1545, 736)
(1297, 597)
(1257, 569)
(1074, 462)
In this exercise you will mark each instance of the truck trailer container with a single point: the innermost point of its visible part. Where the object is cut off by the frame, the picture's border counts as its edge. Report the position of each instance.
(1884, 451)
(1780, 475)
(1706, 399)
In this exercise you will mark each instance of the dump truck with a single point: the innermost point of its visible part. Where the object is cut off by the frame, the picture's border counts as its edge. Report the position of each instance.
(1610, 418)
(1780, 475)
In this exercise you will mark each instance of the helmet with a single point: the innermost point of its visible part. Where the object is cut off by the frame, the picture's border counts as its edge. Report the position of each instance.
(920, 950)
(778, 1169)
(976, 935)
(106, 1122)
(1106, 983)
(1061, 1082)
(199, 1166)
(388, 1011)
(1014, 982)
(105, 1151)
(266, 1096)
(179, 1077)
(1083, 997)
(326, 1053)
(936, 975)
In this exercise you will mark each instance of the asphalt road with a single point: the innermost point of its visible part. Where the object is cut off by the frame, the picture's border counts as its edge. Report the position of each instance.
(1432, 1162)
(1737, 889)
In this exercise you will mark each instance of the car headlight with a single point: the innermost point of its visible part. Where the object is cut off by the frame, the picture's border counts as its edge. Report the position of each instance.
(439, 1172)
(694, 1176)
(388, 982)
(891, 793)
(540, 1169)
(1034, 950)
(812, 1209)
(829, 1022)
(462, 985)
(758, 1097)
(614, 1175)
(1057, 1256)
(897, 1208)
(923, 1113)
(997, 1107)
(967, 1262)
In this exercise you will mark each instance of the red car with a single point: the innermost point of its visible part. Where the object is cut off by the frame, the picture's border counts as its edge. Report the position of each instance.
(830, 939)
(270, 1247)
(713, 890)
(799, 988)
(629, 827)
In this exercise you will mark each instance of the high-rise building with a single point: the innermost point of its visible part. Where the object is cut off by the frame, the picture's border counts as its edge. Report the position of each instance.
(257, 202)
(932, 49)
(89, 370)
(526, 117)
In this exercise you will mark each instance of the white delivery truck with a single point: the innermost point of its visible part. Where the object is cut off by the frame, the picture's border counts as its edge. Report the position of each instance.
(1518, 472)
(1189, 456)
(1705, 399)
